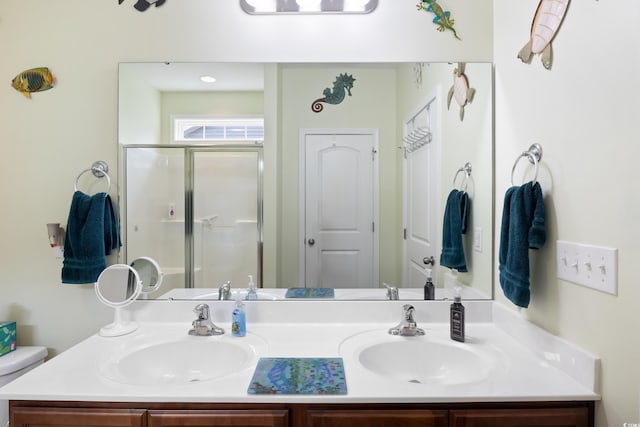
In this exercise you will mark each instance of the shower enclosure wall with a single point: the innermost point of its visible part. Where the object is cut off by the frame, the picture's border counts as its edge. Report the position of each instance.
(196, 210)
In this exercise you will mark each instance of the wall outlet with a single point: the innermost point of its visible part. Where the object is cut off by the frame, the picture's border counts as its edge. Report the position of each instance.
(592, 266)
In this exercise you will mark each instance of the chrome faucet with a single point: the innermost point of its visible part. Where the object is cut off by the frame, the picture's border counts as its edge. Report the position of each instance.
(203, 326)
(407, 326)
(224, 293)
(392, 292)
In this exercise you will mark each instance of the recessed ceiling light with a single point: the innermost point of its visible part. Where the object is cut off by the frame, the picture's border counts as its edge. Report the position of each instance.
(208, 79)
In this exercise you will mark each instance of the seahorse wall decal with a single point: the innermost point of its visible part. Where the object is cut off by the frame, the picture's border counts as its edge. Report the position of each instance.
(142, 5)
(341, 88)
(443, 18)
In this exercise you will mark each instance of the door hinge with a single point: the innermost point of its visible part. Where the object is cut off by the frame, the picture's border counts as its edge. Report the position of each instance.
(373, 154)
(404, 234)
(373, 227)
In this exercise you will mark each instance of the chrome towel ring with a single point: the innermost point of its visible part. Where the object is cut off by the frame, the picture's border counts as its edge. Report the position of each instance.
(99, 169)
(466, 169)
(534, 154)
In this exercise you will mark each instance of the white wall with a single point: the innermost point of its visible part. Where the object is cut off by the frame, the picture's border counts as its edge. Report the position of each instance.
(585, 114)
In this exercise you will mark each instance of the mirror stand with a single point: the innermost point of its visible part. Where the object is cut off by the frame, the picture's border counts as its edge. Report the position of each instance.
(119, 326)
(118, 286)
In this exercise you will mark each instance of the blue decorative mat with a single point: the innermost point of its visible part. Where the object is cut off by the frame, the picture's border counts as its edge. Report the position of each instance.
(282, 375)
(309, 293)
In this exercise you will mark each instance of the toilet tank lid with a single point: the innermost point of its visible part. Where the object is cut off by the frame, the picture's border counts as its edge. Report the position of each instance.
(20, 358)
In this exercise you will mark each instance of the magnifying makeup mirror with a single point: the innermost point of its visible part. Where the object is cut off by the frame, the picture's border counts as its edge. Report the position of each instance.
(118, 286)
(149, 273)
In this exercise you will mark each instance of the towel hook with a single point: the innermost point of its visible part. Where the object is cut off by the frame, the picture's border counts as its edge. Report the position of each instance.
(99, 169)
(467, 174)
(534, 154)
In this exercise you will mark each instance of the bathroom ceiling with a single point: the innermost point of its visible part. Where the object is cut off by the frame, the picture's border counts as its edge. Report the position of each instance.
(185, 76)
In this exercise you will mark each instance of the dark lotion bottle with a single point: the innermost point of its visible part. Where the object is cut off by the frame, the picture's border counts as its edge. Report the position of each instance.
(429, 288)
(457, 320)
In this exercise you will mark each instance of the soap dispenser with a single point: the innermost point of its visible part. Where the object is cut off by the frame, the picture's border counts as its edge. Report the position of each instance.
(457, 317)
(429, 287)
(251, 290)
(238, 320)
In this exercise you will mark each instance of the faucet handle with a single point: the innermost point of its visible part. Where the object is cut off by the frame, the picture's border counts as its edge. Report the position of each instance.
(408, 326)
(407, 312)
(392, 292)
(202, 310)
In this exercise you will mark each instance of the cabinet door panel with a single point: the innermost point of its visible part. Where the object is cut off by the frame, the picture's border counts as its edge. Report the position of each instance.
(219, 418)
(376, 418)
(54, 417)
(552, 417)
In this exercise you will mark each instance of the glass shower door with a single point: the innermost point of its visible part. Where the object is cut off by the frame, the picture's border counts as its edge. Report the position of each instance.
(227, 220)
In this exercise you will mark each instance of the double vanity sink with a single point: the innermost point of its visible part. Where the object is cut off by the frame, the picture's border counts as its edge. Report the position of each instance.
(167, 356)
(504, 357)
(505, 364)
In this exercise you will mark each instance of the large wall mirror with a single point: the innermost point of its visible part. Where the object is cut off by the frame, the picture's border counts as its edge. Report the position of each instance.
(239, 177)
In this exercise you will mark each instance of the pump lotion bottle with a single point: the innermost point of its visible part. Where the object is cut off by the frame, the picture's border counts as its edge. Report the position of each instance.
(457, 319)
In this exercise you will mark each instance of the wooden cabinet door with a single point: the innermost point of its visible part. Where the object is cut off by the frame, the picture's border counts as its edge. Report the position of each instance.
(376, 418)
(552, 417)
(63, 417)
(219, 418)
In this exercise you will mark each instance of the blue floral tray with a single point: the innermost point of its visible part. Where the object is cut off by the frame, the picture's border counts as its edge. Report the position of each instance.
(309, 293)
(298, 376)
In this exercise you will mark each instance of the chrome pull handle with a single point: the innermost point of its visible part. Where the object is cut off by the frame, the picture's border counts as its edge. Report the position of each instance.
(311, 242)
(429, 260)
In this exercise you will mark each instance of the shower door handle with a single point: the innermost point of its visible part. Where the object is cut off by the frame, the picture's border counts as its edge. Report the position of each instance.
(311, 242)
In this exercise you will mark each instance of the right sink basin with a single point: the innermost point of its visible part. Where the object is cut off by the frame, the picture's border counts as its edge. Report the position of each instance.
(429, 359)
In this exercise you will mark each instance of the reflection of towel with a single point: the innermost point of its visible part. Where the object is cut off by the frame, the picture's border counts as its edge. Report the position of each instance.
(522, 229)
(455, 225)
(92, 233)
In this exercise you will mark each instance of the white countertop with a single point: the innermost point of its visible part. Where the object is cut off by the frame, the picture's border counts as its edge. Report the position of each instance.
(535, 366)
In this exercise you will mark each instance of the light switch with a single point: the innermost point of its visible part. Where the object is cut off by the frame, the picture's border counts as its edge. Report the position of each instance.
(592, 266)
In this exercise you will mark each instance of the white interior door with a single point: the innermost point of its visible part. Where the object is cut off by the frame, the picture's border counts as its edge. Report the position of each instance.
(422, 201)
(339, 224)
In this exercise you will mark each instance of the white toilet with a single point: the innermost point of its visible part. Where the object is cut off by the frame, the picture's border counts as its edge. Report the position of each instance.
(14, 364)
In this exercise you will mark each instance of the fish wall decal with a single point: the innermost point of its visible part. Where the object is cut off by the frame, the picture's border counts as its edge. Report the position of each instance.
(33, 80)
(545, 25)
(142, 5)
(443, 18)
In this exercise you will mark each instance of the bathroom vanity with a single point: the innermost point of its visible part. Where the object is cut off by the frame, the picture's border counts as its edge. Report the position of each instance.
(507, 372)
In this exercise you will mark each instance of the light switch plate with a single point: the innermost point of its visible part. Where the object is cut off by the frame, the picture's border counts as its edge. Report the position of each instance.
(592, 266)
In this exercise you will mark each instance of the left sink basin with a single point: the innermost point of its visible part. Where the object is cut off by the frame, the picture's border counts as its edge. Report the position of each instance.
(151, 359)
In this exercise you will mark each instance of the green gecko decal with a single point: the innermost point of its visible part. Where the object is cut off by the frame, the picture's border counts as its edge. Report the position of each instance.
(443, 18)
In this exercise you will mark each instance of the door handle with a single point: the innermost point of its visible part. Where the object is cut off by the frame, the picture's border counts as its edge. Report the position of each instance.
(311, 242)
(429, 260)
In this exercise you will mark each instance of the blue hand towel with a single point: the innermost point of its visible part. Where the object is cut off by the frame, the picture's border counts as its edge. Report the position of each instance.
(454, 226)
(92, 233)
(522, 229)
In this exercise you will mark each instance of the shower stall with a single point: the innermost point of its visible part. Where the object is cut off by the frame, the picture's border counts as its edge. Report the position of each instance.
(196, 210)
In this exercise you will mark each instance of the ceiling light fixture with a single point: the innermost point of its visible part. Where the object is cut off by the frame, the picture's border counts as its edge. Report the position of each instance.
(256, 7)
(208, 79)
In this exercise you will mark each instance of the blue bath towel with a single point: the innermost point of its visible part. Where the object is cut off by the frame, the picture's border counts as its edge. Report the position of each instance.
(92, 233)
(454, 226)
(522, 229)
